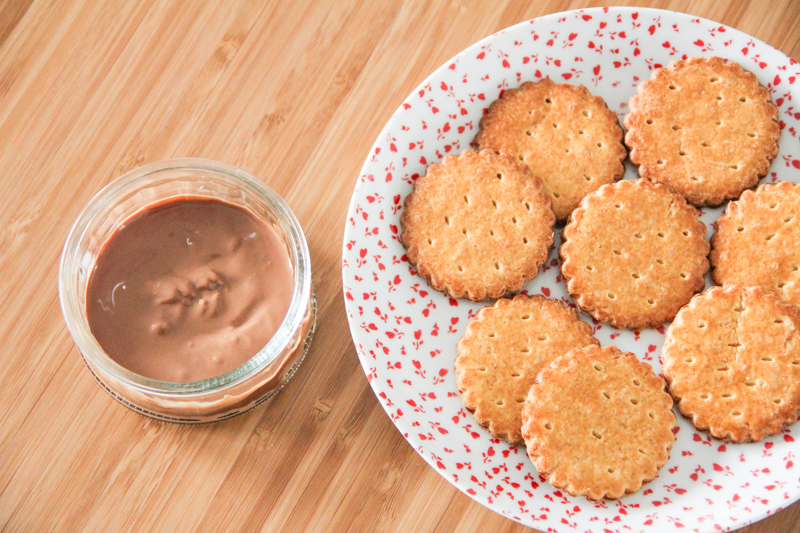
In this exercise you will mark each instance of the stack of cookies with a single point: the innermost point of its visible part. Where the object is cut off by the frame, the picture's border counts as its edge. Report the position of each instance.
(596, 421)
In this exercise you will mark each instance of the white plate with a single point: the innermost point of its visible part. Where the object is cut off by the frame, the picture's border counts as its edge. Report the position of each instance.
(406, 333)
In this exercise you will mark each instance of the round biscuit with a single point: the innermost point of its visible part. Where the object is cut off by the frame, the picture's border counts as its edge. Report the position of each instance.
(633, 253)
(732, 362)
(503, 349)
(478, 225)
(598, 423)
(567, 137)
(704, 127)
(755, 244)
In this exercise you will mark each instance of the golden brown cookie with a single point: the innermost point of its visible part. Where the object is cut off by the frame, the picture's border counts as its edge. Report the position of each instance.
(633, 253)
(598, 423)
(502, 351)
(478, 225)
(756, 243)
(567, 137)
(704, 127)
(732, 361)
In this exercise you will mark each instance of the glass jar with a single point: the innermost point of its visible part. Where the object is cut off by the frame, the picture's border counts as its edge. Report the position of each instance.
(206, 400)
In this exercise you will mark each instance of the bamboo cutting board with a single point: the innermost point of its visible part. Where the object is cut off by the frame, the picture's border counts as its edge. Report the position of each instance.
(295, 92)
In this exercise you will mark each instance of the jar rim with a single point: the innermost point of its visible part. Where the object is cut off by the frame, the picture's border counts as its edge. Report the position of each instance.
(75, 314)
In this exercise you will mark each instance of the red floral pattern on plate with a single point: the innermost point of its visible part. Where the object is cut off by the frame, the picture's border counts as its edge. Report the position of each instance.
(406, 333)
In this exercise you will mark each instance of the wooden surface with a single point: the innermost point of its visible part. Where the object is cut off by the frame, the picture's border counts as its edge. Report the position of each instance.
(294, 92)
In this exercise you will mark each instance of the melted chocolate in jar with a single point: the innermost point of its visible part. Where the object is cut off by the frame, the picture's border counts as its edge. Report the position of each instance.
(189, 289)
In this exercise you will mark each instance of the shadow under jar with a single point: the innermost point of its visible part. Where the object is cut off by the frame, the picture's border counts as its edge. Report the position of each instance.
(153, 190)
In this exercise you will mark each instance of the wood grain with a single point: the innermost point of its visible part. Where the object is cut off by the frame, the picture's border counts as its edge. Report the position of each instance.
(294, 92)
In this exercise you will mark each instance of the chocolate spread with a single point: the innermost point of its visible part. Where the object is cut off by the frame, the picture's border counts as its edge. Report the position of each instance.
(189, 289)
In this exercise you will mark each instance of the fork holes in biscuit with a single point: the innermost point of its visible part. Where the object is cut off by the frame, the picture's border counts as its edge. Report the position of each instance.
(705, 144)
(526, 316)
(527, 206)
(651, 301)
(726, 395)
(617, 252)
(689, 360)
(482, 369)
(556, 195)
(491, 335)
(701, 325)
(464, 231)
(641, 451)
(520, 400)
(528, 133)
(524, 240)
(751, 134)
(649, 120)
(548, 100)
(675, 127)
(683, 275)
(767, 359)
(750, 383)
(497, 266)
(580, 132)
(596, 435)
(515, 374)
(660, 261)
(499, 176)
(742, 99)
(638, 235)
(555, 125)
(447, 220)
(694, 178)
(777, 321)
(718, 122)
(685, 233)
(636, 382)
(773, 205)
(618, 205)
(548, 426)
(660, 234)
(500, 403)
(611, 296)
(599, 145)
(466, 200)
(460, 268)
(610, 470)
(718, 97)
(734, 167)
(704, 396)
(541, 338)
(723, 369)
(525, 350)
(740, 229)
(736, 413)
(598, 367)
(682, 153)
(672, 87)
(430, 241)
(635, 401)
(494, 204)
(713, 79)
(514, 220)
(769, 237)
(589, 267)
(606, 395)
(777, 401)
(635, 275)
(586, 113)
(587, 178)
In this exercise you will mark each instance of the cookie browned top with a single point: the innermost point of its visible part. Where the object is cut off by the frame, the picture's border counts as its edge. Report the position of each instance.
(704, 127)
(756, 243)
(502, 351)
(598, 423)
(634, 252)
(477, 226)
(732, 361)
(567, 137)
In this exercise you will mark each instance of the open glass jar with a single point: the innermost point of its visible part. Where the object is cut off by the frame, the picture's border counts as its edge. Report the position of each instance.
(222, 396)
